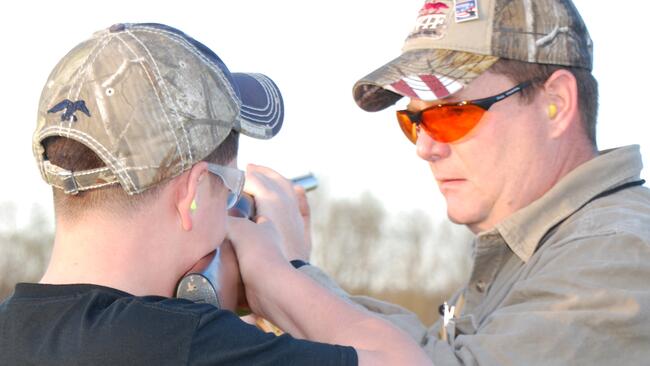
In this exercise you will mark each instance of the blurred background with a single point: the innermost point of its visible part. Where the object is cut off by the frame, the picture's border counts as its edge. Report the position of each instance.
(380, 223)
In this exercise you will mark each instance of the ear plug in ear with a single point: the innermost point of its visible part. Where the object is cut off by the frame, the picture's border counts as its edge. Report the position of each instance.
(552, 111)
(193, 206)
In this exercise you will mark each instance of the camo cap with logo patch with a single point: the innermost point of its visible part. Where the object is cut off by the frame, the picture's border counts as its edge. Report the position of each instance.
(150, 101)
(453, 42)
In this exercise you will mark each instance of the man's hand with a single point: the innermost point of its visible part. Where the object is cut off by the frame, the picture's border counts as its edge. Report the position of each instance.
(303, 308)
(277, 199)
(258, 249)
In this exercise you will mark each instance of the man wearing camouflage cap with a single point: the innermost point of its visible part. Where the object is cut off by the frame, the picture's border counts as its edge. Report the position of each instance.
(137, 133)
(503, 109)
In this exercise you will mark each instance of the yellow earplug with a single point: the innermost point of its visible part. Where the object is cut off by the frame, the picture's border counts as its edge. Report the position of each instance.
(552, 111)
(193, 206)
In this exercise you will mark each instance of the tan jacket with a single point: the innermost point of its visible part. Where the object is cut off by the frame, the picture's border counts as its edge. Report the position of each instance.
(565, 280)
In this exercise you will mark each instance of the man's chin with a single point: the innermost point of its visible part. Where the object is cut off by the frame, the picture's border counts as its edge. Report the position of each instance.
(460, 220)
(455, 220)
(472, 220)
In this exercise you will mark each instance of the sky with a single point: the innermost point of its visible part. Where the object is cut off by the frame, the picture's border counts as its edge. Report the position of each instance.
(314, 51)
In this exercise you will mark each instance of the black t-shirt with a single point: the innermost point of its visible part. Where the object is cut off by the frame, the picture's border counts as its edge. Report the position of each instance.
(95, 325)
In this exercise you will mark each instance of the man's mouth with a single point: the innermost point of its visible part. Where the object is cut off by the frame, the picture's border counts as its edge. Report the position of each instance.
(449, 182)
(445, 180)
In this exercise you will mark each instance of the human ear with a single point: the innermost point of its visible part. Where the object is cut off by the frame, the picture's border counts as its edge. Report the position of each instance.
(187, 200)
(561, 99)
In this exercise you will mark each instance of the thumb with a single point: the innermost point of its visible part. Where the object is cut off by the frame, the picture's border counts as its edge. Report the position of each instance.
(303, 204)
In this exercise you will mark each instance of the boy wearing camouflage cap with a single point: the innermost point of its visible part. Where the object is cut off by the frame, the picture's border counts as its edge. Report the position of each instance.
(137, 133)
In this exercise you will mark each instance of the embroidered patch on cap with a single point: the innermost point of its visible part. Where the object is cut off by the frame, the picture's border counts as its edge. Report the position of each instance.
(466, 10)
(432, 20)
(69, 107)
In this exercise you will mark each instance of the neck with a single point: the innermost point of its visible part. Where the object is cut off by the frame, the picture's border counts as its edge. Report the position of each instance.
(551, 165)
(135, 255)
(569, 156)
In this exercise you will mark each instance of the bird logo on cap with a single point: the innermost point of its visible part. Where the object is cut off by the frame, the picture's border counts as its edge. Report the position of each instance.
(70, 108)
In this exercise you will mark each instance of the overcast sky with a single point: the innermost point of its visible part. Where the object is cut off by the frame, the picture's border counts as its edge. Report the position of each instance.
(315, 52)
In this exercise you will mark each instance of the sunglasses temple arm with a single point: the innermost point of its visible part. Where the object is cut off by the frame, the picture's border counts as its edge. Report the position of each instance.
(488, 102)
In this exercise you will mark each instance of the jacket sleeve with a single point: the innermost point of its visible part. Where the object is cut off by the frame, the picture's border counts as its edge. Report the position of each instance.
(581, 302)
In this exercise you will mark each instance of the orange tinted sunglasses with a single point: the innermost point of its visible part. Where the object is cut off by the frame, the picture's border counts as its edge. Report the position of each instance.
(450, 122)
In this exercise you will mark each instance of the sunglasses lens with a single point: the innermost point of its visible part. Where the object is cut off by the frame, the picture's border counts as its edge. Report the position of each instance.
(444, 124)
(409, 128)
(451, 123)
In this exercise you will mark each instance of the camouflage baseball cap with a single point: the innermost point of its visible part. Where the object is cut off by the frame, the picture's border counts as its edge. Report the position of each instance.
(453, 42)
(150, 101)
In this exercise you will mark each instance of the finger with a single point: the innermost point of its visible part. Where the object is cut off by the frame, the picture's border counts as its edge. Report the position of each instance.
(261, 220)
(303, 203)
(266, 171)
(260, 185)
(299, 190)
(250, 319)
(268, 191)
(238, 227)
(271, 174)
(236, 222)
(247, 236)
(254, 183)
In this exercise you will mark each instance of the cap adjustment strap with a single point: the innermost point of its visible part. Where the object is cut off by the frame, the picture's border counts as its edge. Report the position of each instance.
(69, 183)
(74, 182)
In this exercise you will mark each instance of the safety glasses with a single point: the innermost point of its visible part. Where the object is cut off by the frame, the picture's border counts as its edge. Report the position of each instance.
(232, 178)
(450, 122)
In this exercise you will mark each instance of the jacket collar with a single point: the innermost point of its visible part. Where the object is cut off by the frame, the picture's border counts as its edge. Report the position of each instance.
(524, 229)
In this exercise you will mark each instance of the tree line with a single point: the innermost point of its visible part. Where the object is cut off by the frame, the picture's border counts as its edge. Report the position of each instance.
(405, 258)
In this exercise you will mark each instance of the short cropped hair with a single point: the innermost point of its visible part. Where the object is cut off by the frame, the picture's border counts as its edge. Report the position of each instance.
(72, 155)
(519, 71)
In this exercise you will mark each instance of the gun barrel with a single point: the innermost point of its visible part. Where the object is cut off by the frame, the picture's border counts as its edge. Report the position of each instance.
(307, 181)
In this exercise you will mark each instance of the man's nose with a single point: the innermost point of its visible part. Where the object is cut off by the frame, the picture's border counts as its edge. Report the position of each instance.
(429, 149)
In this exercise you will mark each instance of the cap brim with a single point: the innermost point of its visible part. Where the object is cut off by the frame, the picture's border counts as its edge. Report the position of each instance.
(262, 108)
(426, 74)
